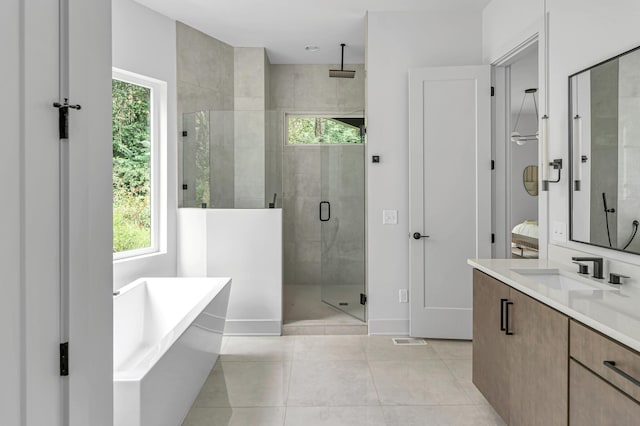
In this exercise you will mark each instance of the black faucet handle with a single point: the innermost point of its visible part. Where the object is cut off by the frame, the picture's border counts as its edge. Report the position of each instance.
(582, 268)
(616, 278)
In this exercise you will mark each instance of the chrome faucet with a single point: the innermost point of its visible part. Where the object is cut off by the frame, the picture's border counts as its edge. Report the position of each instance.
(597, 265)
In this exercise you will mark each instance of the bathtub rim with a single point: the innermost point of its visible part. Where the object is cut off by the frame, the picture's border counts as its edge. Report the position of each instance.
(153, 353)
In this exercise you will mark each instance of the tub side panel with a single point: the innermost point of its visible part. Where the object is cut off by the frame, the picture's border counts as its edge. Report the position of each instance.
(126, 403)
(172, 385)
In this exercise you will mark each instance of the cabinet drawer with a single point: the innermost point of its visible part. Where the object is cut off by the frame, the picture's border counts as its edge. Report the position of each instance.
(592, 349)
(593, 401)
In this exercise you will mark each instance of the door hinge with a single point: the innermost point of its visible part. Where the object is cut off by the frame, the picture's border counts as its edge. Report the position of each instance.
(64, 359)
(185, 133)
(493, 238)
(363, 299)
(493, 164)
(63, 117)
(493, 91)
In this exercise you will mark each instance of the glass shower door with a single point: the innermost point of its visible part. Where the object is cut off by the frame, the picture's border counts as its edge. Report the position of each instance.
(196, 159)
(341, 213)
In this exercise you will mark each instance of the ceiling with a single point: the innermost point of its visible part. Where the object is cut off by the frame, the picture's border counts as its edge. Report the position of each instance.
(285, 27)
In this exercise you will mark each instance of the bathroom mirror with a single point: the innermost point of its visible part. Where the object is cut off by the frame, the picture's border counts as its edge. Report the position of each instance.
(530, 180)
(604, 125)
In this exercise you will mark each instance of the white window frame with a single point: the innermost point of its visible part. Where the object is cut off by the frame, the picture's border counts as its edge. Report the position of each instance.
(157, 157)
(318, 115)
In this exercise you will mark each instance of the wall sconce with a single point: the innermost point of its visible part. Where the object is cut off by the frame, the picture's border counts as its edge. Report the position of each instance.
(577, 153)
(545, 152)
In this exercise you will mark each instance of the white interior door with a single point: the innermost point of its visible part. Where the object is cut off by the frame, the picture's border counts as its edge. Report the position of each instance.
(449, 195)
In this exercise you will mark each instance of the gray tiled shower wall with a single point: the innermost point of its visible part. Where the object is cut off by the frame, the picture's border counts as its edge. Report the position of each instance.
(205, 82)
(230, 86)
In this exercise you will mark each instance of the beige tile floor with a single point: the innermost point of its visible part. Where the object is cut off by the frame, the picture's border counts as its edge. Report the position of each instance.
(340, 380)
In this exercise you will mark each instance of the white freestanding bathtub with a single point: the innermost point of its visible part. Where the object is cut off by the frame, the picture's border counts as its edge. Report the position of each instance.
(167, 334)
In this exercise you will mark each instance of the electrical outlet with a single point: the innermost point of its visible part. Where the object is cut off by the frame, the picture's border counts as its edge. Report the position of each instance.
(403, 295)
(559, 231)
(389, 217)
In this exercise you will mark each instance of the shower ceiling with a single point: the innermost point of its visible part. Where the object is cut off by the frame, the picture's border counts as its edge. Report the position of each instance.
(285, 27)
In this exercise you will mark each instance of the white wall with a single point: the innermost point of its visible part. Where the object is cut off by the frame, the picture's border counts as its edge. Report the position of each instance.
(506, 24)
(581, 33)
(144, 42)
(396, 42)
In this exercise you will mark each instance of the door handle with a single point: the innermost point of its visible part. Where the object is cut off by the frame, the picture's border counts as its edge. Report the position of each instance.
(328, 211)
(417, 236)
(502, 327)
(506, 319)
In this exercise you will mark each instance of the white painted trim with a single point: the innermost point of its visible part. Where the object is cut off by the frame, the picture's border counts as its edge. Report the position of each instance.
(260, 327)
(389, 327)
(503, 85)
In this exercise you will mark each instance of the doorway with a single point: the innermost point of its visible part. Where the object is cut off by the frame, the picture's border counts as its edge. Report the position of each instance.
(324, 224)
(515, 150)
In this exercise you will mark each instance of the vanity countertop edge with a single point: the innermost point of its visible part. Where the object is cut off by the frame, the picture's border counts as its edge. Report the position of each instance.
(606, 323)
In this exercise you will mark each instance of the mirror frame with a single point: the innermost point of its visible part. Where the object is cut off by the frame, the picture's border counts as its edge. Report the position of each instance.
(570, 134)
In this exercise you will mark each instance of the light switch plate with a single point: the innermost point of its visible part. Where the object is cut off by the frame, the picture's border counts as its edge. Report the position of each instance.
(559, 231)
(403, 296)
(389, 217)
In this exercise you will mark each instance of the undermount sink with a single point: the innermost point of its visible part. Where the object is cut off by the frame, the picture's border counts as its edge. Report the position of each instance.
(560, 280)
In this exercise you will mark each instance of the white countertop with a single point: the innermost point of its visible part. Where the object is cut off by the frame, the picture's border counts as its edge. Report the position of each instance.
(614, 312)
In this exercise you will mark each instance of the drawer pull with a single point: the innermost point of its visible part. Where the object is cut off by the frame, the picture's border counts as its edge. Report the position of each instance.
(612, 365)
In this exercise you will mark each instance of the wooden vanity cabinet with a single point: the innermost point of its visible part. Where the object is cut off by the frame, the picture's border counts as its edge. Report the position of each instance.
(520, 353)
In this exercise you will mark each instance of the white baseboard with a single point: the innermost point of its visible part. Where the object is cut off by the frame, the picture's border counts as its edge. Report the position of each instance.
(389, 327)
(253, 328)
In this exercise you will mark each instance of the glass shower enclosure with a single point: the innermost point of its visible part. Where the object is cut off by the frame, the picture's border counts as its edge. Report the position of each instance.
(341, 213)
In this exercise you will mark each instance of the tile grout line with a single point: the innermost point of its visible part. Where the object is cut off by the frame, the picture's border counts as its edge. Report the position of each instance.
(293, 359)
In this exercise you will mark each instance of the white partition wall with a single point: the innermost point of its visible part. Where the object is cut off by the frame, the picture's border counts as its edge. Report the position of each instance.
(246, 245)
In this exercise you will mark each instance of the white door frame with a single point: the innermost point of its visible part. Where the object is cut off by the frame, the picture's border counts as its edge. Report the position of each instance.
(501, 148)
(90, 241)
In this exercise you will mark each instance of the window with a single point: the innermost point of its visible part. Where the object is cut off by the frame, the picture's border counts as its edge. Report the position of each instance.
(313, 130)
(138, 126)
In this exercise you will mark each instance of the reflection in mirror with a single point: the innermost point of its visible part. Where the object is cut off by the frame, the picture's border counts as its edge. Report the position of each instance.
(605, 150)
(530, 180)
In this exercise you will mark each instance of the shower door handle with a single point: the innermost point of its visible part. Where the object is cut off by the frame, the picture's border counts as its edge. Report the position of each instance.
(328, 211)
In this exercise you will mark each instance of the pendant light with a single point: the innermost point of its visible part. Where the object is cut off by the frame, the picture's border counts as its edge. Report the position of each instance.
(515, 135)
